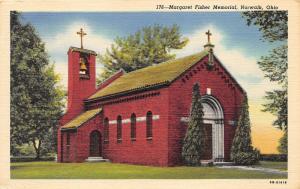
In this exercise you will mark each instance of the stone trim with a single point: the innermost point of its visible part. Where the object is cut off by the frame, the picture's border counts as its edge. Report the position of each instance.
(138, 119)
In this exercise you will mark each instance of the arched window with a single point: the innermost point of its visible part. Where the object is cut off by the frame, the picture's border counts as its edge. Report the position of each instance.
(149, 125)
(133, 126)
(119, 129)
(106, 130)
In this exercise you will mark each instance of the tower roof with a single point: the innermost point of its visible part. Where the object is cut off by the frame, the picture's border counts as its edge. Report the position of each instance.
(76, 49)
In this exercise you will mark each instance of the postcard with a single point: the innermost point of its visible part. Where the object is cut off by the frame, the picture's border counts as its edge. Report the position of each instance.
(131, 94)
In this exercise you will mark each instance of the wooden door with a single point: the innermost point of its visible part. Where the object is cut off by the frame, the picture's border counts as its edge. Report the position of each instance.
(95, 144)
(208, 141)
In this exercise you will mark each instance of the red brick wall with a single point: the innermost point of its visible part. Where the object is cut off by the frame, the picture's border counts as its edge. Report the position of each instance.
(140, 151)
(180, 99)
(83, 137)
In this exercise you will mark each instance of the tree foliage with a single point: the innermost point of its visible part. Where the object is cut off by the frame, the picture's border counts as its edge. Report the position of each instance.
(194, 141)
(150, 45)
(275, 68)
(283, 144)
(242, 151)
(274, 27)
(272, 24)
(36, 98)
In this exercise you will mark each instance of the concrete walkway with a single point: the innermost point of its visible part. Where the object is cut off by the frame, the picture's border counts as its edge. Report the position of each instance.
(262, 169)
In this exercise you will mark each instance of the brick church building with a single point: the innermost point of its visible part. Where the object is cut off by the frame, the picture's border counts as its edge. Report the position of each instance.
(141, 117)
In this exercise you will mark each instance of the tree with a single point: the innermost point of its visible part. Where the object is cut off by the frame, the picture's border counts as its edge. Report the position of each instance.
(194, 141)
(272, 24)
(283, 144)
(242, 151)
(36, 98)
(151, 45)
(274, 27)
(275, 68)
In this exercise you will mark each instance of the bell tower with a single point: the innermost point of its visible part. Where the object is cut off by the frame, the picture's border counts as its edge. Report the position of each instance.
(81, 76)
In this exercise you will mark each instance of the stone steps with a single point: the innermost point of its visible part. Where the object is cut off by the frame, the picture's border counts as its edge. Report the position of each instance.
(216, 163)
(223, 163)
(96, 159)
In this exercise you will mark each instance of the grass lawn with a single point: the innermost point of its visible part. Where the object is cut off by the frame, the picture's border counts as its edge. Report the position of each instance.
(273, 165)
(53, 170)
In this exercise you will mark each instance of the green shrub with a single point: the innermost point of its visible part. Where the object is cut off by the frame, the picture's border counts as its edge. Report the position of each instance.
(247, 158)
(242, 152)
(30, 159)
(273, 157)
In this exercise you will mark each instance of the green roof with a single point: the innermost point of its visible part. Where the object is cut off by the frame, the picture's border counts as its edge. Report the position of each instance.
(81, 119)
(150, 76)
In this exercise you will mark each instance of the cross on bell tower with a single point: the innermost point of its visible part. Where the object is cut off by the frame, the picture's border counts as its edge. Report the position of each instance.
(208, 46)
(81, 34)
(208, 36)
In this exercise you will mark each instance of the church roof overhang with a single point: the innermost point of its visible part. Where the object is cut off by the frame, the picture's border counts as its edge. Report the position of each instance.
(130, 92)
(81, 119)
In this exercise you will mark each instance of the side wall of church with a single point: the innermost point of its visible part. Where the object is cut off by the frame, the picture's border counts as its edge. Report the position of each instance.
(142, 150)
(83, 137)
(222, 88)
(78, 148)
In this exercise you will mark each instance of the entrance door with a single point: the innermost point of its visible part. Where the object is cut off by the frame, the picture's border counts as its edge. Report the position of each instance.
(95, 144)
(208, 148)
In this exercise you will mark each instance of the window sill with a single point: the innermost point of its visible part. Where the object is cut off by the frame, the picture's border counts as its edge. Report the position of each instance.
(149, 138)
(133, 139)
(119, 140)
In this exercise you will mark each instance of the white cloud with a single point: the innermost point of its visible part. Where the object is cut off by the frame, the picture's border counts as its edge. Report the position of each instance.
(242, 66)
(63, 40)
(59, 44)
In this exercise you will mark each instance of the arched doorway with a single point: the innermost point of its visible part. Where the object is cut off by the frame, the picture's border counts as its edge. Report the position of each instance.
(214, 126)
(95, 144)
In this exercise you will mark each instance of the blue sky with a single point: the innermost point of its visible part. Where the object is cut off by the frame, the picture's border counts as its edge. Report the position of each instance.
(238, 46)
(112, 24)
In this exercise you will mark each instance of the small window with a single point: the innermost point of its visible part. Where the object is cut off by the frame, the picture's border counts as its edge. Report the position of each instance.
(133, 126)
(149, 125)
(106, 130)
(119, 129)
(68, 138)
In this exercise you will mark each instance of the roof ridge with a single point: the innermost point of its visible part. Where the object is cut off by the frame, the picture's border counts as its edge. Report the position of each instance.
(165, 62)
